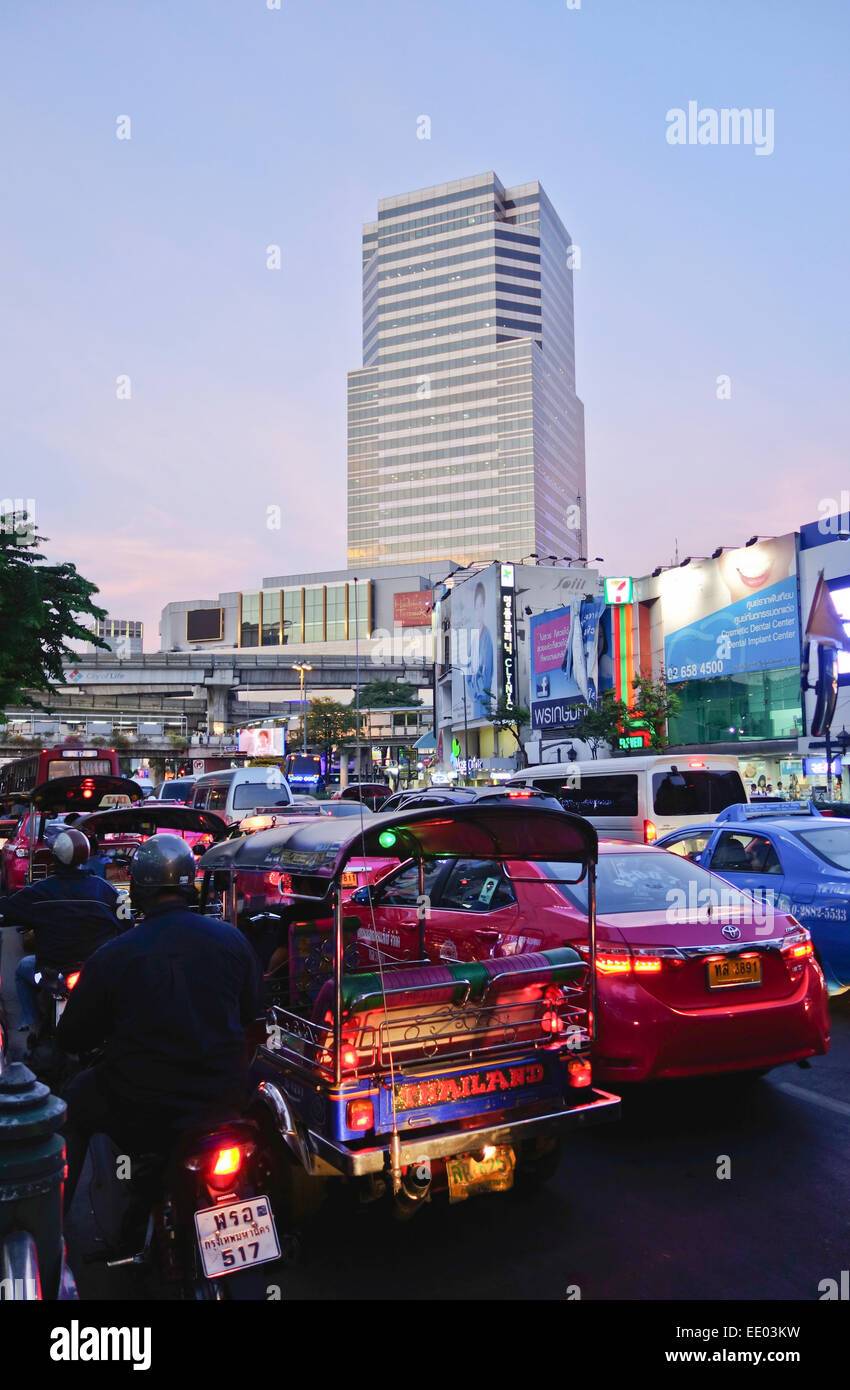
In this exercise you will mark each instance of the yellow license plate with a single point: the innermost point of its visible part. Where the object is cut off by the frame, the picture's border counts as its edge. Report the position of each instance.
(349, 880)
(738, 970)
(470, 1175)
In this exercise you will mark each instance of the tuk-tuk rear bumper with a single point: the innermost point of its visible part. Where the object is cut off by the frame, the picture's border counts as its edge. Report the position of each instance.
(599, 1108)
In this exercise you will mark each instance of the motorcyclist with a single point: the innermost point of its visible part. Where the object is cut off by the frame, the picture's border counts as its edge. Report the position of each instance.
(70, 914)
(168, 1003)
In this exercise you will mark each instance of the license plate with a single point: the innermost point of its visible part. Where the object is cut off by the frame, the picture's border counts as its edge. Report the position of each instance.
(349, 880)
(738, 970)
(236, 1237)
(469, 1175)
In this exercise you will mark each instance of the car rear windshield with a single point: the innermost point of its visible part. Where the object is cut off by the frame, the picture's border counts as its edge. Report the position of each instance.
(175, 791)
(832, 844)
(603, 794)
(248, 794)
(688, 793)
(650, 882)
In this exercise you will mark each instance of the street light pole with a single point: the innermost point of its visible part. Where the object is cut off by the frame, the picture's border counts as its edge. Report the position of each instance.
(302, 667)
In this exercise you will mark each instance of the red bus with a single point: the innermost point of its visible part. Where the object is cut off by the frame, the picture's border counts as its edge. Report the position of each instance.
(17, 778)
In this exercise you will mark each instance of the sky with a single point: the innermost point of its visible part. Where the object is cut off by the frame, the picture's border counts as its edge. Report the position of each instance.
(161, 388)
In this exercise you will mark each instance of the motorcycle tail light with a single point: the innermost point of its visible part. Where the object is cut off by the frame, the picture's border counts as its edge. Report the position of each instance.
(227, 1161)
(71, 980)
(359, 1115)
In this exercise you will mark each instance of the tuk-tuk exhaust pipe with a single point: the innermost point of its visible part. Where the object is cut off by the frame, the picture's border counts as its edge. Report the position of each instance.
(414, 1188)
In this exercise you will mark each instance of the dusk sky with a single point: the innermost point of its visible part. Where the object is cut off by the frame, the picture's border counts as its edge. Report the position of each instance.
(253, 126)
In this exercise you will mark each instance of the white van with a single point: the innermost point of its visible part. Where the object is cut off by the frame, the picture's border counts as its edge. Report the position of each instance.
(236, 792)
(641, 798)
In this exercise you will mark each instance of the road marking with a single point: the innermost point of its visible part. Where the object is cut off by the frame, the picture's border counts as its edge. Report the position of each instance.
(826, 1101)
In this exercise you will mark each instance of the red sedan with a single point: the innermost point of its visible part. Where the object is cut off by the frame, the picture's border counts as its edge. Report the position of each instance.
(693, 976)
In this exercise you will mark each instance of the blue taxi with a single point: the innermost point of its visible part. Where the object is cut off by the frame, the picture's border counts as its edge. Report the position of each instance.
(792, 857)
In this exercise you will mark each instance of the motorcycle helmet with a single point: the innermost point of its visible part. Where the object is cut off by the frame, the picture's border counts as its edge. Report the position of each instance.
(163, 864)
(70, 849)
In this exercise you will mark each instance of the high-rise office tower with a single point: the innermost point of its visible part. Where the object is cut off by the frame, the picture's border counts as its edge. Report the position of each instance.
(466, 436)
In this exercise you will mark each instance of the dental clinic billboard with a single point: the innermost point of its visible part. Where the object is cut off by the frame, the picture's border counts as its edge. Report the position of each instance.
(565, 650)
(734, 614)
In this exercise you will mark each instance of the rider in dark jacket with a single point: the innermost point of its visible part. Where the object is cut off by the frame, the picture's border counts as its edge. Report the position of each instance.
(168, 1003)
(70, 914)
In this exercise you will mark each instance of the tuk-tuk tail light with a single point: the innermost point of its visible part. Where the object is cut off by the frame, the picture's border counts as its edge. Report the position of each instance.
(360, 1115)
(72, 979)
(579, 1073)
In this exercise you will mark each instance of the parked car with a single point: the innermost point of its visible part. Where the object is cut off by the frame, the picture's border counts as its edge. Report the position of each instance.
(791, 856)
(693, 977)
(640, 798)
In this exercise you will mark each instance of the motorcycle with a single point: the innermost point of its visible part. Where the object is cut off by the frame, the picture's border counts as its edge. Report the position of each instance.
(197, 1223)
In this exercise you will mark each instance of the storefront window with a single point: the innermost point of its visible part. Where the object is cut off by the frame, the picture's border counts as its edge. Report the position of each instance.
(754, 705)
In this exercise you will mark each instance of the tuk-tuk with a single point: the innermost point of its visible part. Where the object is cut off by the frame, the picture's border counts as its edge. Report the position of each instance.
(119, 832)
(418, 1077)
(70, 798)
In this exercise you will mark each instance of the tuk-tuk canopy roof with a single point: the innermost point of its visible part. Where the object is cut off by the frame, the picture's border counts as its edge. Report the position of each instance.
(147, 820)
(69, 793)
(496, 831)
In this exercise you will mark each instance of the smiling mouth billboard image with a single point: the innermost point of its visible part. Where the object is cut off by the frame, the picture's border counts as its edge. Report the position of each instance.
(734, 614)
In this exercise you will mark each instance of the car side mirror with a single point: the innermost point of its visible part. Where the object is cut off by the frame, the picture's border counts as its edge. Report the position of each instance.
(362, 896)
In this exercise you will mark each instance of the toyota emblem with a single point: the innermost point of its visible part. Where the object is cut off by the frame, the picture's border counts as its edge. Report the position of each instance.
(731, 933)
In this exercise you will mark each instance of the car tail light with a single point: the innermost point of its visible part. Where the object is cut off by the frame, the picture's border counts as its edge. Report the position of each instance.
(71, 980)
(360, 1115)
(578, 1073)
(647, 965)
(613, 962)
(519, 796)
(650, 832)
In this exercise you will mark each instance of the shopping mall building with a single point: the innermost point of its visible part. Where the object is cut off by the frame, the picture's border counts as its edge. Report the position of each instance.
(725, 632)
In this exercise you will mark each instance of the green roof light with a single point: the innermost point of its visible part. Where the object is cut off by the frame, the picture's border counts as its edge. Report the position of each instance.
(387, 839)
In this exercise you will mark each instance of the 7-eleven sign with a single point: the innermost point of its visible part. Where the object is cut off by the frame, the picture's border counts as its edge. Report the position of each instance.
(618, 591)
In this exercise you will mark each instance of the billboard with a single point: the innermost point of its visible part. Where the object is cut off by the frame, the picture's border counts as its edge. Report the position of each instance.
(840, 591)
(477, 642)
(734, 614)
(413, 609)
(261, 743)
(564, 662)
(204, 624)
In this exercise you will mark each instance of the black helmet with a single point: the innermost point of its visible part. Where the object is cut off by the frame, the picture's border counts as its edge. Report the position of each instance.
(70, 849)
(163, 864)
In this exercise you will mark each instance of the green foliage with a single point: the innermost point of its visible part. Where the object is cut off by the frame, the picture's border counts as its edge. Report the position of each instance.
(382, 693)
(602, 725)
(329, 723)
(40, 608)
(653, 704)
(513, 720)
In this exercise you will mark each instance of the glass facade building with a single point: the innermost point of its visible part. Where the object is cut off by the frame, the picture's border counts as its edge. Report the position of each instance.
(465, 433)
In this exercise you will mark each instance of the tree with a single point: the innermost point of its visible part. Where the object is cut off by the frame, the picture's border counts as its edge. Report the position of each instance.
(40, 608)
(653, 705)
(329, 723)
(602, 725)
(384, 693)
(513, 719)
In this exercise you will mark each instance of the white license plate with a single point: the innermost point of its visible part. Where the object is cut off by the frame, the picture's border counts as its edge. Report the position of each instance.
(236, 1237)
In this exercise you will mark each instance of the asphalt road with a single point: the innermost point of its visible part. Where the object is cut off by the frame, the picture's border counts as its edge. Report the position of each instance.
(637, 1211)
